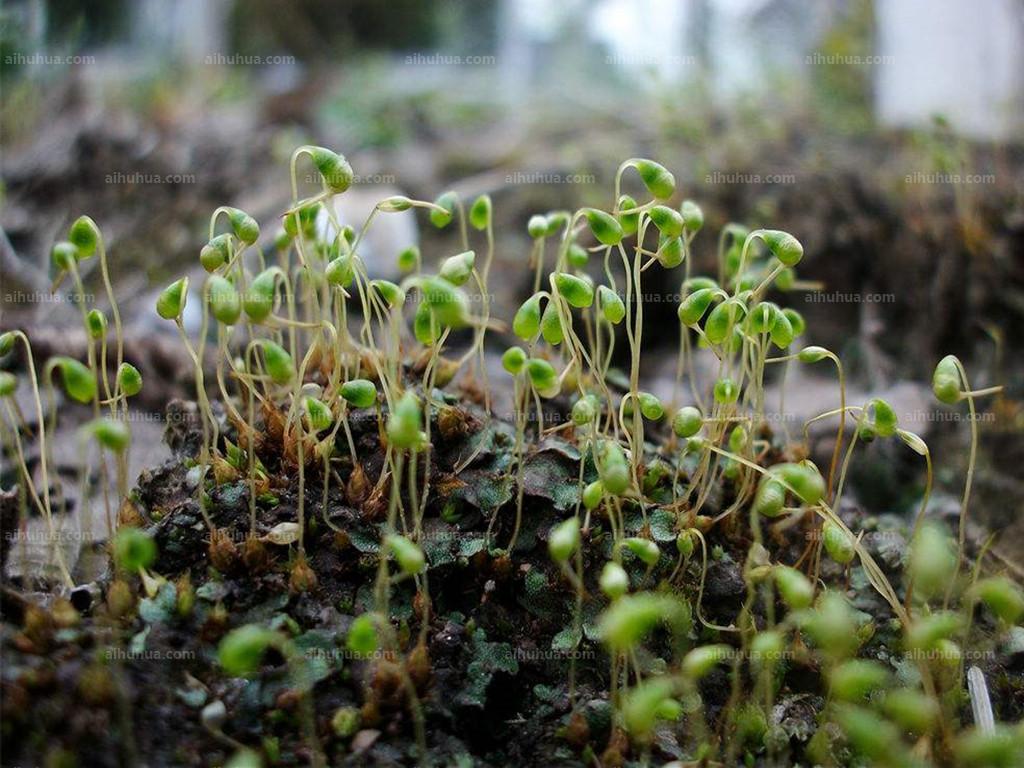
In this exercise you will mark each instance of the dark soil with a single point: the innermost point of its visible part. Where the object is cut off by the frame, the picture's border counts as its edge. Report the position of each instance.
(92, 689)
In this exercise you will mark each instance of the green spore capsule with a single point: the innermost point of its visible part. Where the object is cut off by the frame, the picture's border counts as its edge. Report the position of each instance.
(575, 290)
(242, 649)
(225, 304)
(783, 246)
(770, 497)
(279, 364)
(671, 252)
(446, 201)
(409, 258)
(644, 549)
(394, 204)
(243, 225)
(133, 549)
(63, 255)
(593, 493)
(112, 435)
(543, 377)
(564, 539)
(171, 301)
(838, 543)
(359, 393)
(409, 556)
(78, 380)
(693, 216)
(657, 178)
(85, 236)
(946, 380)
(584, 411)
(537, 226)
(603, 226)
(526, 322)
(480, 213)
(650, 406)
(614, 581)
(613, 309)
(700, 661)
(318, 414)
(513, 360)
(693, 307)
(629, 222)
(96, 322)
(334, 168)
(812, 354)
(796, 590)
(447, 303)
(258, 301)
(362, 635)
(551, 325)
(805, 479)
(668, 221)
(8, 384)
(577, 256)
(404, 423)
(726, 391)
(129, 380)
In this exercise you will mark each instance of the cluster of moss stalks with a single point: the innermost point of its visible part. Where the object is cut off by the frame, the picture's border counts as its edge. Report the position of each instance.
(304, 340)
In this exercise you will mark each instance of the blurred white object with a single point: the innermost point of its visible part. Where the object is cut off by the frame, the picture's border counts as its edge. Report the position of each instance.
(389, 234)
(981, 705)
(964, 61)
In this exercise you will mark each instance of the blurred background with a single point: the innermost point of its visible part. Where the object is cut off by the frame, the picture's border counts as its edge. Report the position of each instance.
(885, 134)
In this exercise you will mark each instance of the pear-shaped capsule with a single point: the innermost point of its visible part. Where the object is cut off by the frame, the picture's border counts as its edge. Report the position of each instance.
(447, 202)
(129, 380)
(575, 290)
(458, 269)
(258, 301)
(334, 168)
(564, 539)
(480, 213)
(85, 236)
(668, 220)
(526, 322)
(279, 364)
(946, 380)
(657, 178)
(359, 393)
(612, 307)
(225, 304)
(78, 380)
(171, 301)
(603, 226)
